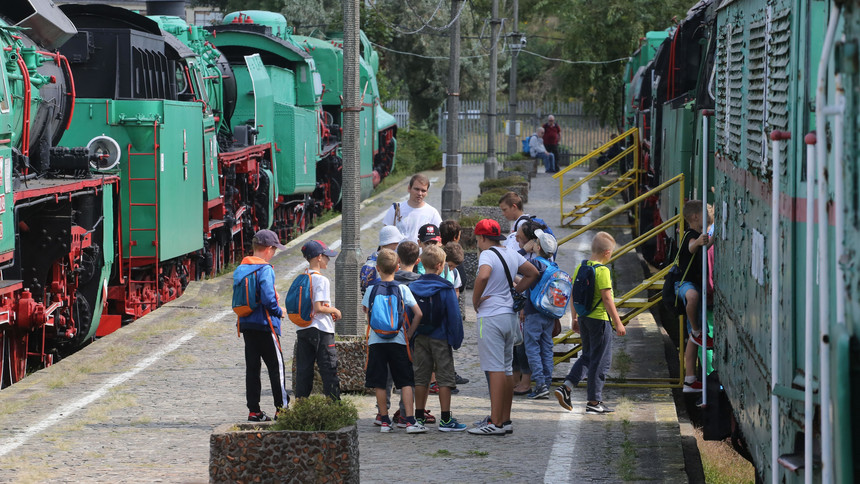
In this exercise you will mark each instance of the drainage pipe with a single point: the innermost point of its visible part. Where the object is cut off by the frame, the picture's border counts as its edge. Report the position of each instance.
(808, 407)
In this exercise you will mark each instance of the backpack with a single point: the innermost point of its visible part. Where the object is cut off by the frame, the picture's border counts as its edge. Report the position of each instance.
(582, 292)
(551, 295)
(386, 309)
(246, 294)
(368, 275)
(299, 303)
(432, 310)
(526, 147)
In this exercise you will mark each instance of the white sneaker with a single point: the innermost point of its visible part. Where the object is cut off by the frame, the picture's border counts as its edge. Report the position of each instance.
(487, 429)
(416, 428)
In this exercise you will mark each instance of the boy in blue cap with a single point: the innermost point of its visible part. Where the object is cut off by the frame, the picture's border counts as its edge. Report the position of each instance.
(262, 328)
(316, 341)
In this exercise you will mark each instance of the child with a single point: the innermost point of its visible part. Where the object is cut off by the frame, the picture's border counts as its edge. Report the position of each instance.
(450, 230)
(261, 329)
(316, 342)
(596, 332)
(389, 238)
(384, 355)
(497, 323)
(407, 252)
(689, 288)
(454, 256)
(537, 328)
(512, 208)
(440, 331)
(428, 235)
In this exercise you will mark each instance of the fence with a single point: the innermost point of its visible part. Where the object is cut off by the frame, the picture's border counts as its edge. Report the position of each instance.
(399, 108)
(580, 133)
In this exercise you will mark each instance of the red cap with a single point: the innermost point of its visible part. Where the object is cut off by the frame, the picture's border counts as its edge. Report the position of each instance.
(490, 229)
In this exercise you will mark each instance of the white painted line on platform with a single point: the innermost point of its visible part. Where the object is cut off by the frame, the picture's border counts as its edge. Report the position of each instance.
(67, 410)
(563, 449)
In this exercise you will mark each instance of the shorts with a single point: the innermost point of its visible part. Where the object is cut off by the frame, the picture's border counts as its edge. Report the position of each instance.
(681, 289)
(385, 357)
(430, 353)
(496, 342)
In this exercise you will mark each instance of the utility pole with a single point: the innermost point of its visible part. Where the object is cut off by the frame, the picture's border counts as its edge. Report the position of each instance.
(349, 260)
(451, 191)
(491, 166)
(516, 43)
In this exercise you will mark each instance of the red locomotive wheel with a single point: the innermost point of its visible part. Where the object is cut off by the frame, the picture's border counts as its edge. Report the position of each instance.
(15, 355)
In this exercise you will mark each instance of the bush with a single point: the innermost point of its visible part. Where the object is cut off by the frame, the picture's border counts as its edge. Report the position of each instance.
(469, 220)
(317, 413)
(502, 182)
(417, 150)
(518, 156)
(490, 198)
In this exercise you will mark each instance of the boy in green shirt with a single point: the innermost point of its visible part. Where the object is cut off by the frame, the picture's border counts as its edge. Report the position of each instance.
(596, 332)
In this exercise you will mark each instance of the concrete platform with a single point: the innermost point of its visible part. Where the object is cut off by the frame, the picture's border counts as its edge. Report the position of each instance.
(139, 405)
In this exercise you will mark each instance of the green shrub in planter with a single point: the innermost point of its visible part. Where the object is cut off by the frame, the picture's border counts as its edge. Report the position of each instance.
(469, 220)
(518, 156)
(501, 182)
(490, 198)
(317, 413)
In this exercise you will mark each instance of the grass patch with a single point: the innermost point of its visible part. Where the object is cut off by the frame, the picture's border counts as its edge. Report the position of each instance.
(518, 156)
(469, 220)
(441, 453)
(721, 464)
(325, 217)
(490, 198)
(502, 182)
(317, 413)
(478, 453)
(622, 361)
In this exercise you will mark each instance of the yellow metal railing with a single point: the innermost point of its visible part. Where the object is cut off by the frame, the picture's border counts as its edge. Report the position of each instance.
(630, 179)
(635, 305)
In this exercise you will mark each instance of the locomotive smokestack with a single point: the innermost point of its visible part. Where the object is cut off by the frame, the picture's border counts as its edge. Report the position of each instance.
(175, 8)
(45, 23)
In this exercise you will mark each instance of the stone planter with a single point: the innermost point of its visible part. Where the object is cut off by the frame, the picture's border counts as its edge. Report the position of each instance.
(351, 354)
(525, 174)
(254, 454)
(494, 213)
(521, 189)
(530, 165)
(469, 269)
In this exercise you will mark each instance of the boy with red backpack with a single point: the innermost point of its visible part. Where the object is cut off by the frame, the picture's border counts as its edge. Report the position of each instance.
(385, 305)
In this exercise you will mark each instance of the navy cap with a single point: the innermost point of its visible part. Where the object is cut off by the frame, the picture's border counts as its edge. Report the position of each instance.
(268, 238)
(314, 248)
(429, 232)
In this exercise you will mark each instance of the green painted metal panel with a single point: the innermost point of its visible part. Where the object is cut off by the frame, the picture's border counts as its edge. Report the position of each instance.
(176, 166)
(210, 159)
(329, 62)
(261, 90)
(678, 138)
(7, 220)
(284, 84)
(297, 148)
(384, 120)
(368, 139)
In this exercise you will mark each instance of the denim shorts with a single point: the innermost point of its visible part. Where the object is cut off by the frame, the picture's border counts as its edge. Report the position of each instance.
(681, 289)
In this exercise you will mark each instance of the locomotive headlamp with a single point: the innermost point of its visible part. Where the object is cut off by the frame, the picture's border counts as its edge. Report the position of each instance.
(104, 153)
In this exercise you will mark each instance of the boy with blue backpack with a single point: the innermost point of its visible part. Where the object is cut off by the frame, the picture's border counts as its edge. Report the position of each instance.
(385, 304)
(255, 301)
(594, 302)
(548, 300)
(309, 308)
(438, 334)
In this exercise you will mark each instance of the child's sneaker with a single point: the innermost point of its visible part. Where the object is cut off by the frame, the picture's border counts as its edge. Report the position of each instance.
(415, 428)
(697, 340)
(540, 392)
(399, 421)
(508, 427)
(451, 425)
(487, 429)
(259, 417)
(428, 418)
(459, 380)
(483, 421)
(434, 388)
(598, 409)
(563, 396)
(695, 387)
(378, 420)
(385, 424)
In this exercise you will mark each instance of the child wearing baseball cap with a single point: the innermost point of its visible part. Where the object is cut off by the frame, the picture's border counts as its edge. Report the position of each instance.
(315, 343)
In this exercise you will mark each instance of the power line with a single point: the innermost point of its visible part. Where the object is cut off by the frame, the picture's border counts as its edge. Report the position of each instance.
(574, 62)
(432, 57)
(424, 25)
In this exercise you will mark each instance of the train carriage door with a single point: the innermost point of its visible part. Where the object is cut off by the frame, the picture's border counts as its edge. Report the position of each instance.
(264, 109)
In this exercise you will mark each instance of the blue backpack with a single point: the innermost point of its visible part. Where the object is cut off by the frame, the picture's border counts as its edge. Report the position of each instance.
(526, 149)
(368, 275)
(386, 309)
(246, 294)
(300, 306)
(582, 293)
(552, 293)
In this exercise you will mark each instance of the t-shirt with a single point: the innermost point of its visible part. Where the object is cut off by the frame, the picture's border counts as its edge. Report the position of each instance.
(602, 280)
(321, 292)
(694, 274)
(411, 219)
(511, 241)
(498, 288)
(450, 275)
(408, 301)
(551, 134)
